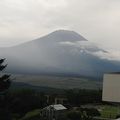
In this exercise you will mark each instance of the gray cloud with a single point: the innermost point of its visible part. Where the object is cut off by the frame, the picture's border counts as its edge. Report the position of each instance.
(24, 20)
(93, 49)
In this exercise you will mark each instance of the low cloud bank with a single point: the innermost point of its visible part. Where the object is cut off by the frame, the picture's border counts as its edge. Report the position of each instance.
(93, 49)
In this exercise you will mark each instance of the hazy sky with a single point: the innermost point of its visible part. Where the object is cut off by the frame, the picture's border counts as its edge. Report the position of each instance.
(96, 20)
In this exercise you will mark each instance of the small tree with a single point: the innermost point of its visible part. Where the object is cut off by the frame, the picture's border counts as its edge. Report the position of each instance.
(4, 79)
(4, 85)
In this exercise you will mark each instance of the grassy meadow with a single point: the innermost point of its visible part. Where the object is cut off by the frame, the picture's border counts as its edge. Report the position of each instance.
(59, 82)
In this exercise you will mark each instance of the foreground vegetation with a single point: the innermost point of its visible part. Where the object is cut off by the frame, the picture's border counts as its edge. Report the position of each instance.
(26, 100)
(26, 104)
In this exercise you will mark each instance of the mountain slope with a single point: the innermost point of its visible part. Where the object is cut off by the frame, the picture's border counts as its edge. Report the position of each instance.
(61, 52)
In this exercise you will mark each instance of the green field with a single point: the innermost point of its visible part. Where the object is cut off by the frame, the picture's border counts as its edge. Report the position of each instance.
(108, 111)
(59, 82)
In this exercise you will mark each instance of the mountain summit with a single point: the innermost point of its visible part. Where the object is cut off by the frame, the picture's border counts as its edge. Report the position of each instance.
(56, 36)
(64, 35)
(60, 52)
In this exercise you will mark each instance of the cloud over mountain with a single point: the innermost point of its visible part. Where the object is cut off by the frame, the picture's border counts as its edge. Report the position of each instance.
(60, 52)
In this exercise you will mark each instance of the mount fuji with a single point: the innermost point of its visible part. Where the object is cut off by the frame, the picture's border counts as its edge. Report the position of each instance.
(61, 52)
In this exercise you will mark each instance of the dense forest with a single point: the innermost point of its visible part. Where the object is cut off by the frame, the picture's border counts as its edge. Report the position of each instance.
(26, 100)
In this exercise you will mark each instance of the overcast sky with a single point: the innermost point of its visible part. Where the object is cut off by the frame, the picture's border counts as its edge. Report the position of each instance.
(96, 20)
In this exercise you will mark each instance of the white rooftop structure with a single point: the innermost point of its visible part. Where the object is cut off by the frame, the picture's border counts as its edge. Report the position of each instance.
(56, 107)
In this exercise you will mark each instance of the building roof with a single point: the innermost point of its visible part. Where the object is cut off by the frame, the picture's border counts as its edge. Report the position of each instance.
(59, 107)
(56, 107)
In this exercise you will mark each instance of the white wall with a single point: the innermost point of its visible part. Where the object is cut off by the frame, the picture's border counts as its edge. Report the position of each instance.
(111, 88)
